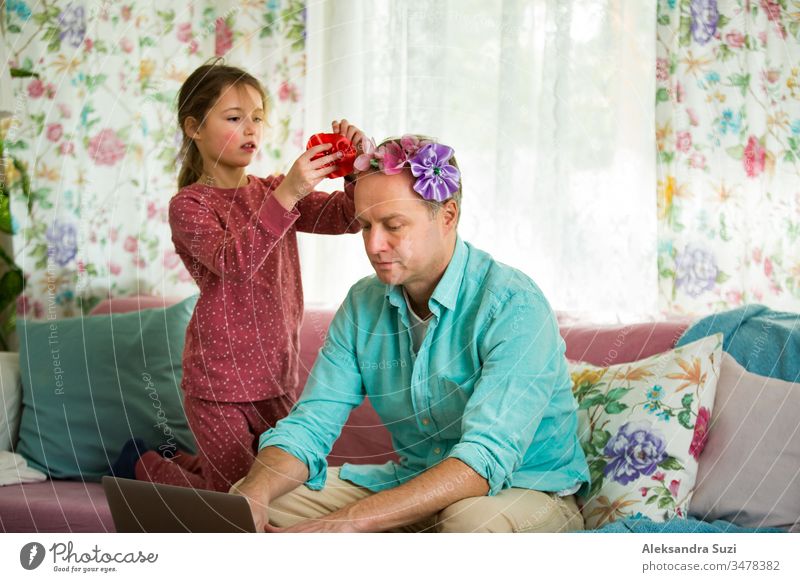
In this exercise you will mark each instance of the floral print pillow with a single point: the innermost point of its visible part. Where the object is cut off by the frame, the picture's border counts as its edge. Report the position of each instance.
(643, 426)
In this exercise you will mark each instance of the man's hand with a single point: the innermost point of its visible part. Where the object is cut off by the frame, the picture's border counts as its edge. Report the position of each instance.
(274, 473)
(259, 505)
(327, 524)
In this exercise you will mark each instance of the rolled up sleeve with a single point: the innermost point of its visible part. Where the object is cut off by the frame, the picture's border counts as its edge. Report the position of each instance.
(333, 389)
(523, 351)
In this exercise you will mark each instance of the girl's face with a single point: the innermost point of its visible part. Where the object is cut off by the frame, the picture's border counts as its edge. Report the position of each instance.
(231, 132)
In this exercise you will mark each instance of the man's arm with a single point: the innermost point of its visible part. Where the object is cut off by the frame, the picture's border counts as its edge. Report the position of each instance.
(274, 472)
(421, 497)
(295, 450)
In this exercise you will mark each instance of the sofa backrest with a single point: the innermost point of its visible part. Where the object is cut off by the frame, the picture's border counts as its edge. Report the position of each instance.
(620, 344)
(364, 439)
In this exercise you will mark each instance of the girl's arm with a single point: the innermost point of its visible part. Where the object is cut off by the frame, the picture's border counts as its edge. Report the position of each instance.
(235, 253)
(324, 213)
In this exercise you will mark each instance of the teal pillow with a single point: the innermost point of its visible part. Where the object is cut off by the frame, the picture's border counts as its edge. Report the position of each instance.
(91, 383)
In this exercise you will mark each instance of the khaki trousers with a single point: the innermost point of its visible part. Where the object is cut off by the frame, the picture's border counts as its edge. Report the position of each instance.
(511, 510)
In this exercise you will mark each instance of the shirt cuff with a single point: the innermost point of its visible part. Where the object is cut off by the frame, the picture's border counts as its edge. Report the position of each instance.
(317, 466)
(275, 217)
(480, 460)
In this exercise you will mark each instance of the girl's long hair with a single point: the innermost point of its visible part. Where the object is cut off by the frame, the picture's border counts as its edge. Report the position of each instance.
(197, 96)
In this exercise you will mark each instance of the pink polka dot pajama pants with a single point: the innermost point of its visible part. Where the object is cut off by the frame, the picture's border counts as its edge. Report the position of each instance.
(227, 436)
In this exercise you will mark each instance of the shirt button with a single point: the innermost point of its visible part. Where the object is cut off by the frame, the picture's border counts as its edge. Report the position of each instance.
(437, 450)
(426, 421)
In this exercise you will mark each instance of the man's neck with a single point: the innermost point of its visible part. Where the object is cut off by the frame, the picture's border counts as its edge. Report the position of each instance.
(419, 292)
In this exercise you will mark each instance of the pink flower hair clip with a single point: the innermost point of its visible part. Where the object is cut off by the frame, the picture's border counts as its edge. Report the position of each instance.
(437, 180)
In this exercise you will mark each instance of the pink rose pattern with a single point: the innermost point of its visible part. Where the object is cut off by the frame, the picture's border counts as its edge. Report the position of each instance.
(95, 135)
(728, 153)
(700, 432)
(54, 131)
(184, 32)
(224, 37)
(106, 148)
(755, 157)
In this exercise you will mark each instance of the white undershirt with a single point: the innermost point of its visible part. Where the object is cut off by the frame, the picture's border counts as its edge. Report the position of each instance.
(419, 326)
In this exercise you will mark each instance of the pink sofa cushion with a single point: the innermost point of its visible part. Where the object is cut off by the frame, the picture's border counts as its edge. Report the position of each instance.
(54, 506)
(620, 344)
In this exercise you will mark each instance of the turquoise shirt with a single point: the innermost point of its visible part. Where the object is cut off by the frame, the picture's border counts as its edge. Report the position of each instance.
(489, 385)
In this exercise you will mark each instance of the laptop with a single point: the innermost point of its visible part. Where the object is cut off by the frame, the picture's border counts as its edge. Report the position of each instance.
(140, 506)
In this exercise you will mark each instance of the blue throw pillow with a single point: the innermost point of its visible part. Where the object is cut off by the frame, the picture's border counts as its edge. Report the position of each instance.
(91, 383)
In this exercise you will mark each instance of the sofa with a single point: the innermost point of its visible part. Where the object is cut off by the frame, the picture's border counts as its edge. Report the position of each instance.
(80, 506)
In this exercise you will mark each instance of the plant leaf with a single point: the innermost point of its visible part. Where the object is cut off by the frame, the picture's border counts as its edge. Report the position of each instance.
(617, 393)
(671, 464)
(685, 418)
(593, 401)
(736, 152)
(599, 440)
(11, 285)
(615, 407)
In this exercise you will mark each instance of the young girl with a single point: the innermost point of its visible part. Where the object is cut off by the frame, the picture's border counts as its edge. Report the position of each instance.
(236, 234)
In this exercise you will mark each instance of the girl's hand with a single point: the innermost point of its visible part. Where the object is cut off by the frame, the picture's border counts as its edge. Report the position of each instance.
(351, 132)
(305, 174)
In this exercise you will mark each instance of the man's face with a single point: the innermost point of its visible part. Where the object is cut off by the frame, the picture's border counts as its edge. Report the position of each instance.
(403, 241)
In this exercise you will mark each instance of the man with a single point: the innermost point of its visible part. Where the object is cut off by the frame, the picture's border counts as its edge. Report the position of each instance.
(462, 360)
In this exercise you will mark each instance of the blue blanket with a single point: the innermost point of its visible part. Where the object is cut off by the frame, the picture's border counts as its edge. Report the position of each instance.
(763, 341)
(690, 525)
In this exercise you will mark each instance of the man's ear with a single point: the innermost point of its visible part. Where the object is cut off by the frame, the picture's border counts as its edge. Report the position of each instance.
(192, 128)
(449, 212)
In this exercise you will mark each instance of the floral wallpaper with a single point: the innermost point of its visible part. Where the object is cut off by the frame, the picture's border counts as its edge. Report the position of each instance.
(728, 138)
(97, 132)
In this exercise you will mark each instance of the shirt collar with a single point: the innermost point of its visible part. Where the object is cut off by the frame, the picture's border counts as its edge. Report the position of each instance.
(446, 291)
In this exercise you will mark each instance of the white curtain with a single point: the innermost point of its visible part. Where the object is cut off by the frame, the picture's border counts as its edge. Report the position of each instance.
(549, 106)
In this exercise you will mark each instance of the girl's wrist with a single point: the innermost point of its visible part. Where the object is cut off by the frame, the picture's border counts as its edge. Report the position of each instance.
(286, 195)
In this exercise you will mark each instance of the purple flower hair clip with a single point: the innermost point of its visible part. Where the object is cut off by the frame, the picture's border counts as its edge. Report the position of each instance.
(437, 180)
